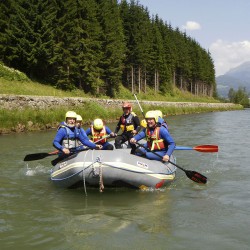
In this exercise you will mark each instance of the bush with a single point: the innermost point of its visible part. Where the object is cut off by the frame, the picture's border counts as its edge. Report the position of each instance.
(12, 74)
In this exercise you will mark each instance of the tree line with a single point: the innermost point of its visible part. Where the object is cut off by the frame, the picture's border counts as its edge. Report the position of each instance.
(239, 97)
(96, 45)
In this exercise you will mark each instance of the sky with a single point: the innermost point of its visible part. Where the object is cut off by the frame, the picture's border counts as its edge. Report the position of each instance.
(220, 26)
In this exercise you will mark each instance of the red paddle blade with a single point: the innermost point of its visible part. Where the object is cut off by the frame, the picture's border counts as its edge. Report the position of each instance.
(207, 148)
(196, 177)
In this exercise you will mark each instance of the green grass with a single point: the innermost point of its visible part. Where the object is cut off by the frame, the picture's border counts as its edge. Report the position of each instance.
(13, 82)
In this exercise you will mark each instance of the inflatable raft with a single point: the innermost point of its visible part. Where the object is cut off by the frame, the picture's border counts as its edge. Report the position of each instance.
(112, 168)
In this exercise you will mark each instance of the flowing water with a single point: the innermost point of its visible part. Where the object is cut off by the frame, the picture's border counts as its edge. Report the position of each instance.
(34, 214)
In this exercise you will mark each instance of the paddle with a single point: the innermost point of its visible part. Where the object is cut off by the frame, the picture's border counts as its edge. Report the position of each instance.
(192, 175)
(200, 148)
(39, 156)
(139, 105)
(73, 154)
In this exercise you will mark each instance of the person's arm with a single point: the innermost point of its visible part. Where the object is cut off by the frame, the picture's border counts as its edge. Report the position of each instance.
(165, 135)
(108, 130)
(88, 132)
(87, 142)
(139, 136)
(118, 126)
(136, 123)
(58, 139)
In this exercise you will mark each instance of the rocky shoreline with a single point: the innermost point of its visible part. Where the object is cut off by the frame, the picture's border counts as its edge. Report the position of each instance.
(43, 102)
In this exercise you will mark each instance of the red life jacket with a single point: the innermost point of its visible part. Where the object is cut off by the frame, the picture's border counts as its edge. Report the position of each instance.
(98, 134)
(154, 142)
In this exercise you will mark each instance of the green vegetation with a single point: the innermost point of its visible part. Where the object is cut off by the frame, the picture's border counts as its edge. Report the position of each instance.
(29, 119)
(14, 82)
(239, 97)
(99, 45)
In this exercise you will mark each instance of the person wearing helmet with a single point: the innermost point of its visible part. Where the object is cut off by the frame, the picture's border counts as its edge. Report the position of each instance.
(67, 136)
(161, 121)
(158, 139)
(129, 123)
(82, 131)
(99, 134)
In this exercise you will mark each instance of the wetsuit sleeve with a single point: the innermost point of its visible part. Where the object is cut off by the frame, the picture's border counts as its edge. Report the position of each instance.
(88, 131)
(141, 135)
(86, 142)
(57, 143)
(165, 135)
(136, 123)
(118, 126)
(108, 130)
(84, 133)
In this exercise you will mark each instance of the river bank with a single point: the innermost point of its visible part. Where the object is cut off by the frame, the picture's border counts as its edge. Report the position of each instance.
(21, 113)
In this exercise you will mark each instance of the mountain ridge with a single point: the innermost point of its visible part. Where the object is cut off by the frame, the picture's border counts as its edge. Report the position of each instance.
(234, 78)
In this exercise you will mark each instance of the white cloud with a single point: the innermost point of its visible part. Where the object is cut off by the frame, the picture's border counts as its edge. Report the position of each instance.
(228, 55)
(191, 25)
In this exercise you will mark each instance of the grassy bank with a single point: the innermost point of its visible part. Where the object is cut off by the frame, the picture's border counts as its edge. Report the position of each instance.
(31, 120)
(13, 82)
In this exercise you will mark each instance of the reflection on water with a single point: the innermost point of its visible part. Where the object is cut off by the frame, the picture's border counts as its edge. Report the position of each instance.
(37, 215)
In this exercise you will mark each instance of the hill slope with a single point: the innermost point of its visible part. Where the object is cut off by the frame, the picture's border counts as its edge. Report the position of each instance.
(234, 78)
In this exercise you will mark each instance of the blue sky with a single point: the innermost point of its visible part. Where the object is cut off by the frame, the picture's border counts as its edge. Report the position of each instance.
(222, 26)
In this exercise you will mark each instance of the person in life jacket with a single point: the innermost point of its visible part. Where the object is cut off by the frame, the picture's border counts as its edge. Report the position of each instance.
(99, 134)
(82, 131)
(158, 139)
(161, 121)
(68, 135)
(129, 123)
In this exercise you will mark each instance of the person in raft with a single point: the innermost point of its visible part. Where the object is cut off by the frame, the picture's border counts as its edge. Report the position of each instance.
(99, 134)
(158, 139)
(68, 135)
(129, 123)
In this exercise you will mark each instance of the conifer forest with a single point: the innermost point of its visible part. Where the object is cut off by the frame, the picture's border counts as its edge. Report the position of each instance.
(98, 45)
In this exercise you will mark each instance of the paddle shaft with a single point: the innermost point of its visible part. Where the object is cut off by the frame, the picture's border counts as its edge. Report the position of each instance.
(192, 175)
(39, 156)
(139, 105)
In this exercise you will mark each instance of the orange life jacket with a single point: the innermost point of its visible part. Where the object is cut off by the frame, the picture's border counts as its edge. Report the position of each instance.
(98, 134)
(154, 142)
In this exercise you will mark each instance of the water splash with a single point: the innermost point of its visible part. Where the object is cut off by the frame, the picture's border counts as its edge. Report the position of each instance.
(37, 170)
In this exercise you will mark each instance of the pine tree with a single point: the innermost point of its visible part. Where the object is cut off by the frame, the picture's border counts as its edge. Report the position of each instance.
(113, 45)
(30, 37)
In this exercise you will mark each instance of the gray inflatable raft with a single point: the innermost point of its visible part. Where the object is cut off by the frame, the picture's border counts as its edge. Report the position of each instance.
(112, 168)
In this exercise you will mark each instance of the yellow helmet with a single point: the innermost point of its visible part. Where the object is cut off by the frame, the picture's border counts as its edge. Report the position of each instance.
(152, 114)
(78, 118)
(143, 123)
(159, 113)
(98, 124)
(70, 114)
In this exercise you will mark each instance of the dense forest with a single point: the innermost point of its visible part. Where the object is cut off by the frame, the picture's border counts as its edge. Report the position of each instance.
(96, 45)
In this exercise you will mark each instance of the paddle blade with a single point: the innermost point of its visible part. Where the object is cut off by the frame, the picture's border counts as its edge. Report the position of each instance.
(207, 148)
(33, 157)
(196, 177)
(38, 156)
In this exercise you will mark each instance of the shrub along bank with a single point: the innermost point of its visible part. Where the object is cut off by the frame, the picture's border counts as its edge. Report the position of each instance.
(30, 113)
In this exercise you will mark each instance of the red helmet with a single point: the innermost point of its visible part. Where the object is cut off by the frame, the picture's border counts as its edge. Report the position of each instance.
(127, 105)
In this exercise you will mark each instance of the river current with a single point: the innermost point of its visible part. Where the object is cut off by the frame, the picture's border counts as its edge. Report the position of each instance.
(35, 214)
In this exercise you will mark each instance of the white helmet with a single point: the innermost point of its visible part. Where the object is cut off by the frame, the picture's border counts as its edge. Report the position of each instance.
(78, 118)
(70, 114)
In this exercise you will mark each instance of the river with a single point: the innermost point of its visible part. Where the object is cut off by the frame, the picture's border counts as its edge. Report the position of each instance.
(35, 214)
